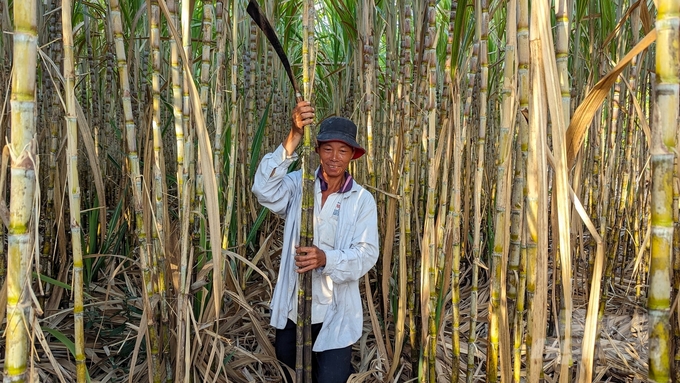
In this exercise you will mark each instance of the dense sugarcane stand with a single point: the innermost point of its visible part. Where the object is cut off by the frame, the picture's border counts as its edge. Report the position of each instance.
(521, 156)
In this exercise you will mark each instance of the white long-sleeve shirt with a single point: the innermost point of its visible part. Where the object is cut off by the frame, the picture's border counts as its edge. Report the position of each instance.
(354, 253)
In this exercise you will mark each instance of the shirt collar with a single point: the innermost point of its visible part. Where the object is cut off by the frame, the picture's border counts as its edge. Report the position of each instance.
(346, 186)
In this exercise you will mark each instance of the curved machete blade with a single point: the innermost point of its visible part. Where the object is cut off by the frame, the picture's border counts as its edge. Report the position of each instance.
(261, 20)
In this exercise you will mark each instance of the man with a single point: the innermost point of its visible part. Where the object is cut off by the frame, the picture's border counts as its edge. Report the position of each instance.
(345, 243)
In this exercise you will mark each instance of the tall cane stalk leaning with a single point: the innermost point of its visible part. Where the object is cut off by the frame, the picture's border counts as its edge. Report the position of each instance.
(303, 359)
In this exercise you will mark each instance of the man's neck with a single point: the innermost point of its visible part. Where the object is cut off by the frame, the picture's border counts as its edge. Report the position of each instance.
(334, 183)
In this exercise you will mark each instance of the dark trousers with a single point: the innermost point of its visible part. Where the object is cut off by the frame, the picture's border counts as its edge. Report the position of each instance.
(330, 366)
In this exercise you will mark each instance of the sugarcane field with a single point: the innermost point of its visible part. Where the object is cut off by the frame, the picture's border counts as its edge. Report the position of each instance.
(340, 191)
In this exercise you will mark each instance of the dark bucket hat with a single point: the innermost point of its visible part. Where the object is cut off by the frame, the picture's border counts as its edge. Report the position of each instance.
(340, 129)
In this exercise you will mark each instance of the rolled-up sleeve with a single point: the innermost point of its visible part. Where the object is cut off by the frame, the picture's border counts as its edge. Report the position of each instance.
(351, 262)
(273, 184)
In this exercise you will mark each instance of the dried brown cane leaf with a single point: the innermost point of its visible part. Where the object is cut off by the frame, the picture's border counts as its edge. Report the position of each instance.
(376, 325)
(646, 17)
(141, 331)
(586, 111)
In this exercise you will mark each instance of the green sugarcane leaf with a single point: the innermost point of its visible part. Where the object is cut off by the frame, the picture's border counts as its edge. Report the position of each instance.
(264, 212)
(257, 140)
(113, 223)
(62, 338)
(57, 283)
(66, 342)
(52, 281)
(458, 31)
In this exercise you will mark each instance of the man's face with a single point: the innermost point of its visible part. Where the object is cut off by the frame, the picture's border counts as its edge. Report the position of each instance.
(334, 157)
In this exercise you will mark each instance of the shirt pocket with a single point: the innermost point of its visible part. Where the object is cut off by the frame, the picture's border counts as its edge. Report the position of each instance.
(327, 233)
(345, 232)
(324, 294)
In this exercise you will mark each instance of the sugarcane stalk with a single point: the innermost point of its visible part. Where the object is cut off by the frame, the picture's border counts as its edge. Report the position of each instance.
(310, 67)
(520, 159)
(54, 124)
(52, 110)
(471, 73)
(196, 155)
(175, 69)
(454, 217)
(518, 322)
(92, 81)
(270, 70)
(307, 330)
(264, 81)
(190, 156)
(499, 336)
(429, 269)
(250, 74)
(307, 86)
(74, 189)
(185, 22)
(221, 18)
(182, 298)
(23, 151)
(368, 60)
(208, 19)
(518, 249)
(303, 365)
(159, 190)
(663, 149)
(482, 15)
(233, 128)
